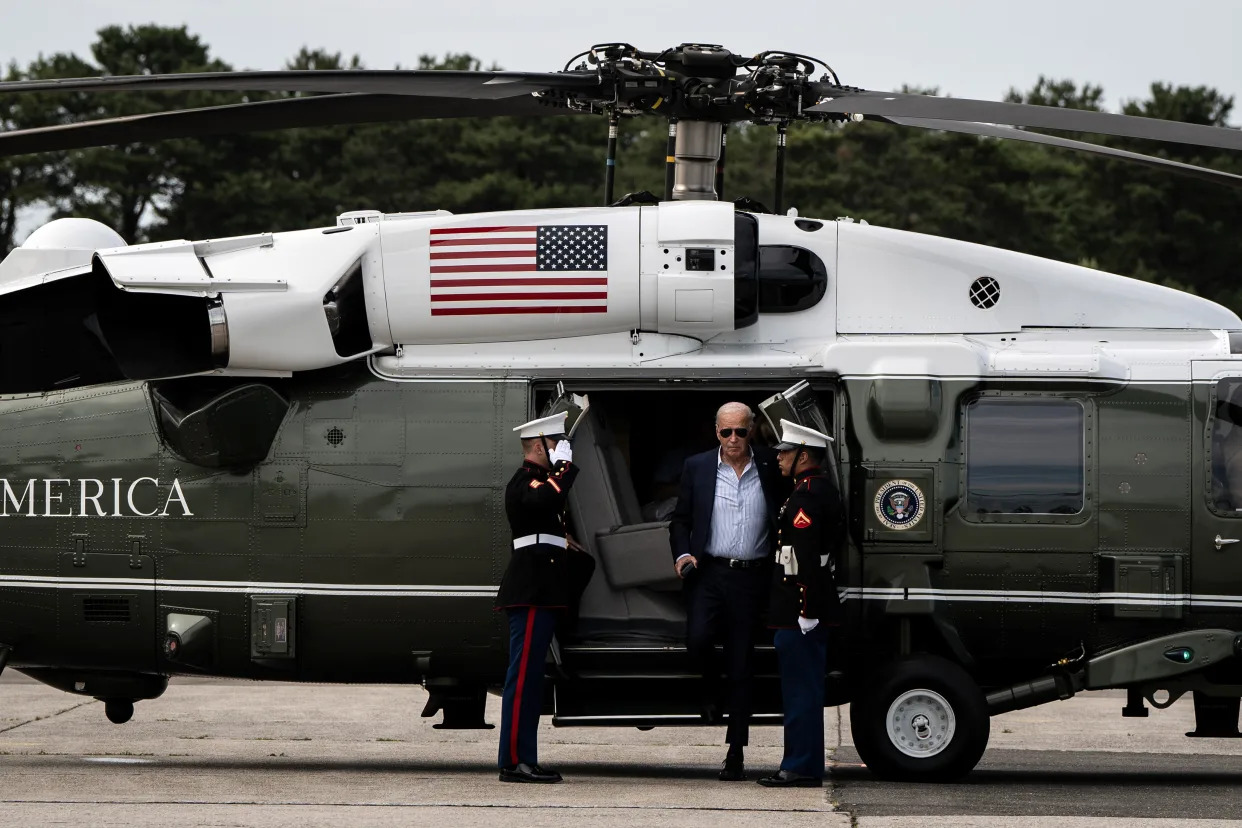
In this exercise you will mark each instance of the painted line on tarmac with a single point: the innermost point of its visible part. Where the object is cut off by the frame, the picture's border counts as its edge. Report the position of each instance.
(533, 807)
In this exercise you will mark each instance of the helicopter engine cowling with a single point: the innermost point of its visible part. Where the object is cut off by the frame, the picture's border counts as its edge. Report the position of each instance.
(246, 304)
(548, 274)
(304, 300)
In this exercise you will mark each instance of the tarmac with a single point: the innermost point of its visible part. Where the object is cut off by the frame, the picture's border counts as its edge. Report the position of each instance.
(216, 753)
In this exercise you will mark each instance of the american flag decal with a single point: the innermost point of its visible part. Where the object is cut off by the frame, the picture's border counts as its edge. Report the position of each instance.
(548, 268)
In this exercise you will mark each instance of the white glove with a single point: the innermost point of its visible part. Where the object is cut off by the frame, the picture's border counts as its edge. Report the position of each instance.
(807, 624)
(561, 452)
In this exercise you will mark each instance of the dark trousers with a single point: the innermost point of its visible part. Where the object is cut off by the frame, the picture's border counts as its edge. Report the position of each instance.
(530, 633)
(725, 604)
(803, 660)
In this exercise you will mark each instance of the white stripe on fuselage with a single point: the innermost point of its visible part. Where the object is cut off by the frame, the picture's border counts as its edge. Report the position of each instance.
(1009, 596)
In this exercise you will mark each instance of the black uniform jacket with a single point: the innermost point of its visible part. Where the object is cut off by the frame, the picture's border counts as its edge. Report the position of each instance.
(810, 522)
(538, 575)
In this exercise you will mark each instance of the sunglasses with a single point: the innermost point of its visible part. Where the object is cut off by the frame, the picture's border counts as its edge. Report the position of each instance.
(728, 432)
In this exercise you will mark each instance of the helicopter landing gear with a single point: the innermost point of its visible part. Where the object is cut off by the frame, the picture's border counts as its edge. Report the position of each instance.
(922, 719)
(1215, 718)
(118, 711)
(462, 708)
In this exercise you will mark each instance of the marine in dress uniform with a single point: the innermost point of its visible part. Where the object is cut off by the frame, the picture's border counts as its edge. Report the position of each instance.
(537, 587)
(804, 601)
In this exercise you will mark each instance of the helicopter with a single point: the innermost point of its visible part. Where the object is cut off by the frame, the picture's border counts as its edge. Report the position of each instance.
(282, 456)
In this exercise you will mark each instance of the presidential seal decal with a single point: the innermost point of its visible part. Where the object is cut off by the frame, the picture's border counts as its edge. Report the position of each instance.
(899, 504)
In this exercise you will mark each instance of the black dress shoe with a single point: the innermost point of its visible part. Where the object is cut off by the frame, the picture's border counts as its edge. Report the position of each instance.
(789, 779)
(523, 772)
(733, 770)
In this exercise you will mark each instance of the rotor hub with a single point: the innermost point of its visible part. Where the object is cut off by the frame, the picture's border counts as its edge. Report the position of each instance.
(701, 82)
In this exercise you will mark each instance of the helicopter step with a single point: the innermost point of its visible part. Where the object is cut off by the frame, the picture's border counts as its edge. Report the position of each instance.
(651, 686)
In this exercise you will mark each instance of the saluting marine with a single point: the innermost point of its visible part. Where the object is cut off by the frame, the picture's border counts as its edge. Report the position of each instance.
(804, 601)
(537, 585)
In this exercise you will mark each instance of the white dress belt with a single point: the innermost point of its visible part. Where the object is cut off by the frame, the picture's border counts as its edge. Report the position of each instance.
(531, 540)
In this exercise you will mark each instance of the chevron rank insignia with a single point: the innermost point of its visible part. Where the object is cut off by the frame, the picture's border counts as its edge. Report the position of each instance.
(801, 521)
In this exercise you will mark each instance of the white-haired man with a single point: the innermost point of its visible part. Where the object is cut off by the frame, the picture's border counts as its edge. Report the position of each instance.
(721, 534)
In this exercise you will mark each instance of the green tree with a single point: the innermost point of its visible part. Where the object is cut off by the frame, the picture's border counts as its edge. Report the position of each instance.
(127, 187)
(32, 180)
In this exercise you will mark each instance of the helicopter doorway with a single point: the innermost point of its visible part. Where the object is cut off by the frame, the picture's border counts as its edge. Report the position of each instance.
(626, 657)
(631, 446)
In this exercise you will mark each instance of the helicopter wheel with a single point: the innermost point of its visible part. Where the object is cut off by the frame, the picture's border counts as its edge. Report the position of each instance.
(118, 711)
(922, 719)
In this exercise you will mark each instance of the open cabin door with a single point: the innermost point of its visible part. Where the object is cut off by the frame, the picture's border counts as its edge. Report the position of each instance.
(799, 404)
(574, 405)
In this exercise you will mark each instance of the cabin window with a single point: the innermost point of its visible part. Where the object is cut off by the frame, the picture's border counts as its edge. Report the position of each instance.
(1025, 457)
(790, 278)
(1227, 446)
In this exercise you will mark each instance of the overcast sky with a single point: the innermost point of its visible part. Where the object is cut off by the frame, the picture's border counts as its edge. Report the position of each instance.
(968, 48)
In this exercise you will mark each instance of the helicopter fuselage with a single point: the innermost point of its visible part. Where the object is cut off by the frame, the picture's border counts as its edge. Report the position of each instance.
(1034, 457)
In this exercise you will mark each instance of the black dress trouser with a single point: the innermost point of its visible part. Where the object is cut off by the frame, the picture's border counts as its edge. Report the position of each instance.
(725, 605)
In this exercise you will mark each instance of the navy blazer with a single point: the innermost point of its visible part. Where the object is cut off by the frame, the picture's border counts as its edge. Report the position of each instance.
(691, 522)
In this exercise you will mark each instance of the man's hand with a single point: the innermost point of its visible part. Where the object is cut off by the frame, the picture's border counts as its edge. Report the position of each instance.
(573, 544)
(683, 565)
(807, 624)
(563, 451)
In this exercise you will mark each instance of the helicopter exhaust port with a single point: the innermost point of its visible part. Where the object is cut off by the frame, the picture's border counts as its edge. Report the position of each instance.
(275, 303)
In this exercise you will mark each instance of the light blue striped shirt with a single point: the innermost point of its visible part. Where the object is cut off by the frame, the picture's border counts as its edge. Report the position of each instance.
(739, 514)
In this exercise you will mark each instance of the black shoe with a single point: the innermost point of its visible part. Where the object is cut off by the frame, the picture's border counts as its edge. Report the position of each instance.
(734, 768)
(789, 779)
(523, 772)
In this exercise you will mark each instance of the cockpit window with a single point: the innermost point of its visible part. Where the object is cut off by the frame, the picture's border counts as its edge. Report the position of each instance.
(790, 278)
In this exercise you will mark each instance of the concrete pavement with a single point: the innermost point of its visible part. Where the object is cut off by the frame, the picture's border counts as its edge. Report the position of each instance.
(216, 752)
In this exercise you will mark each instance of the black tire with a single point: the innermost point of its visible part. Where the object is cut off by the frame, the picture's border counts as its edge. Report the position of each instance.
(939, 731)
(118, 711)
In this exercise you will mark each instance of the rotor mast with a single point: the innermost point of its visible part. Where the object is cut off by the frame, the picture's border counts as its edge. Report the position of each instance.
(696, 155)
(701, 89)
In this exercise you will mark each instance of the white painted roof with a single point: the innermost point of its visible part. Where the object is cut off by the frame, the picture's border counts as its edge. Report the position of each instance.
(892, 281)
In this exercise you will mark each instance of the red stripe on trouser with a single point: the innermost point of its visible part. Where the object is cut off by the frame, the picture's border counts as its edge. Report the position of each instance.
(516, 719)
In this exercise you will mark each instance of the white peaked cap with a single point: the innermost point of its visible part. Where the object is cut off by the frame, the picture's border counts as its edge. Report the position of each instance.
(797, 436)
(553, 426)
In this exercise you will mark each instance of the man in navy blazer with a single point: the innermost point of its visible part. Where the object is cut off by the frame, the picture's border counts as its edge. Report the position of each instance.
(722, 533)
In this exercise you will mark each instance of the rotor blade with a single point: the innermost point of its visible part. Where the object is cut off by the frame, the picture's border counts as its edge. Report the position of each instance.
(905, 105)
(287, 113)
(1012, 133)
(424, 82)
